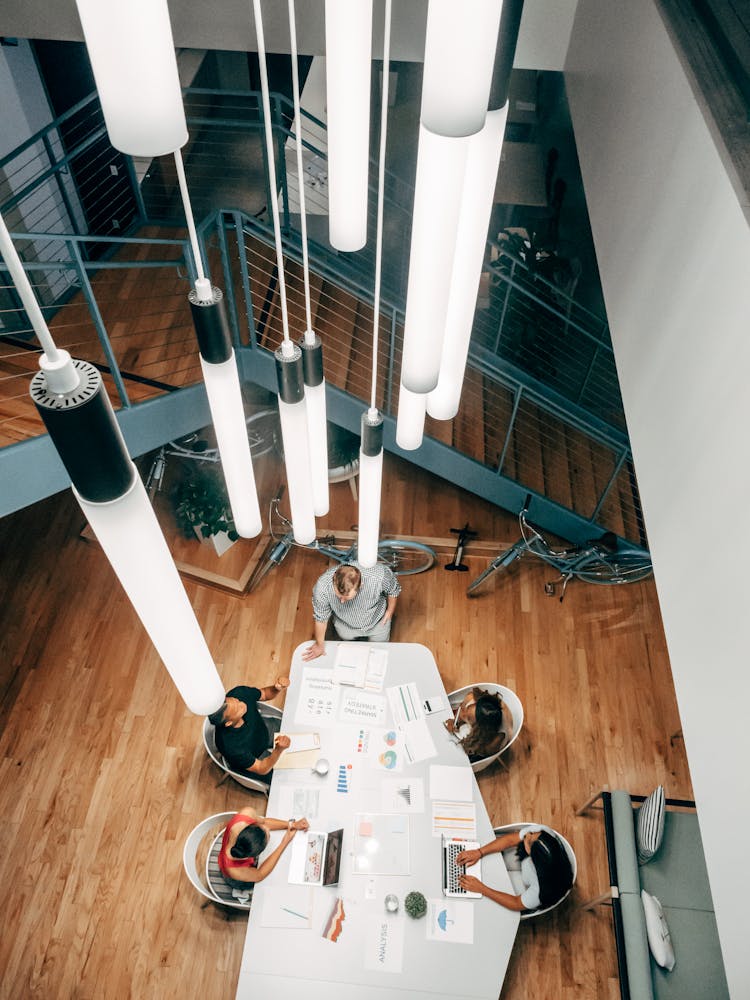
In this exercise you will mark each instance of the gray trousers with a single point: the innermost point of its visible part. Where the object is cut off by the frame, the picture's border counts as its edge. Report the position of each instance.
(379, 633)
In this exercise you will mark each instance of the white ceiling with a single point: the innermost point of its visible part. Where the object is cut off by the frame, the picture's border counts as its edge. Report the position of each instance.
(228, 24)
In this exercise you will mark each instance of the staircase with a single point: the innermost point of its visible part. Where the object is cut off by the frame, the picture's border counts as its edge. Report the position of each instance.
(540, 409)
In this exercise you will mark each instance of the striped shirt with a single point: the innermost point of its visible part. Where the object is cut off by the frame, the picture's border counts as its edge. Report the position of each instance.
(366, 609)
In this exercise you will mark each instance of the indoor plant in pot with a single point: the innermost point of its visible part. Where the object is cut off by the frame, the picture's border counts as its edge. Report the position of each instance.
(202, 508)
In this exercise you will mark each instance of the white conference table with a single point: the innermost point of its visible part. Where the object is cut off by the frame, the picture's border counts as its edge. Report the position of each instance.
(377, 954)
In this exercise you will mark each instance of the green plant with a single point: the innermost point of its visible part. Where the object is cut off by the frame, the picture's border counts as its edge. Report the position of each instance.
(200, 501)
(415, 905)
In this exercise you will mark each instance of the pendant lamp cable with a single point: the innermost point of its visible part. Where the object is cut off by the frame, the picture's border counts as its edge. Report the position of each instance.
(309, 334)
(189, 217)
(381, 188)
(286, 344)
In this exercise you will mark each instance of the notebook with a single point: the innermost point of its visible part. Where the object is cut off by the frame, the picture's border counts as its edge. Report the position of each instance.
(316, 858)
(450, 848)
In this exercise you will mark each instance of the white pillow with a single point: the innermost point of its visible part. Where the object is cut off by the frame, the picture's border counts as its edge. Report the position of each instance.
(659, 940)
(650, 825)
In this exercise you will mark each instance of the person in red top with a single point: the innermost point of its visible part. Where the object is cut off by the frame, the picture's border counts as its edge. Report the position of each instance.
(245, 838)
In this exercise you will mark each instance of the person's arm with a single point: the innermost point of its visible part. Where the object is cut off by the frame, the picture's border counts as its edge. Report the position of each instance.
(389, 608)
(286, 824)
(318, 647)
(470, 858)
(267, 693)
(506, 899)
(265, 764)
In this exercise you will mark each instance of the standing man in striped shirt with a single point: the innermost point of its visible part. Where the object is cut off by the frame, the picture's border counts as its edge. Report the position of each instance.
(360, 600)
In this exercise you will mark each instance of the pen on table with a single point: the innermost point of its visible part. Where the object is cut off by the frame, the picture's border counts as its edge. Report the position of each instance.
(294, 913)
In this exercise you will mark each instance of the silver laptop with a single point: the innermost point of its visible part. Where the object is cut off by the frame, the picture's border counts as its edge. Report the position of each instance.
(451, 871)
(316, 858)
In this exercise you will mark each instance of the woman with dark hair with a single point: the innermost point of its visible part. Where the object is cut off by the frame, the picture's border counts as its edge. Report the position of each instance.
(479, 724)
(542, 862)
(245, 838)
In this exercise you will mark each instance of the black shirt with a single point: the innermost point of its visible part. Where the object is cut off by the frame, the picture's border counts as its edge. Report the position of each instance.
(242, 747)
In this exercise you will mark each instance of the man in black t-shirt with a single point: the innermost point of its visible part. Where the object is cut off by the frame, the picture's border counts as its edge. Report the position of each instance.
(242, 736)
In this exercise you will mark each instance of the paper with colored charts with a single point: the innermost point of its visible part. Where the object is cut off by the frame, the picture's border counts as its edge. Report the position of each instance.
(450, 920)
(382, 748)
(454, 819)
(402, 795)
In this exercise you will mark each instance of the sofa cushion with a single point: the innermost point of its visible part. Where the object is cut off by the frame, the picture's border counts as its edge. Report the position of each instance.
(657, 932)
(699, 972)
(628, 878)
(677, 875)
(650, 825)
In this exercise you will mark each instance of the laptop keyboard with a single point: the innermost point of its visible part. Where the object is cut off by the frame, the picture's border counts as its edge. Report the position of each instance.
(452, 869)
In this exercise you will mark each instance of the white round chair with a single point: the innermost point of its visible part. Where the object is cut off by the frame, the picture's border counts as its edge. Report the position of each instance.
(243, 778)
(515, 876)
(510, 700)
(211, 883)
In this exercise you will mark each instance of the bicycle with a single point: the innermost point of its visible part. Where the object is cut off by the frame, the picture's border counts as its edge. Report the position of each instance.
(404, 557)
(263, 432)
(602, 561)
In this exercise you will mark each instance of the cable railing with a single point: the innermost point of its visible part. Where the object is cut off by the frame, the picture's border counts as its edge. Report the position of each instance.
(541, 365)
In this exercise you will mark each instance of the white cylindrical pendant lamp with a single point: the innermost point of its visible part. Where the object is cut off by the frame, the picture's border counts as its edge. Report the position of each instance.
(459, 57)
(317, 421)
(482, 164)
(348, 67)
(222, 382)
(370, 485)
(410, 419)
(132, 55)
(437, 199)
(130, 536)
(106, 484)
(293, 413)
(228, 417)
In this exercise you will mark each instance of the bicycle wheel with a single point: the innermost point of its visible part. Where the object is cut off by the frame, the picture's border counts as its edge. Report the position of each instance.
(619, 567)
(405, 558)
(263, 432)
(499, 564)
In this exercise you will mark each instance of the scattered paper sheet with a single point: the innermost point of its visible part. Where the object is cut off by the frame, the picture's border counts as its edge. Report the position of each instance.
(384, 944)
(402, 795)
(377, 664)
(405, 703)
(361, 706)
(451, 782)
(304, 761)
(318, 698)
(418, 742)
(450, 920)
(381, 844)
(288, 906)
(303, 741)
(454, 819)
(350, 665)
(299, 801)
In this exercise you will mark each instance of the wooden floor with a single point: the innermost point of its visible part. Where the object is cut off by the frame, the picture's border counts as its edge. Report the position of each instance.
(102, 771)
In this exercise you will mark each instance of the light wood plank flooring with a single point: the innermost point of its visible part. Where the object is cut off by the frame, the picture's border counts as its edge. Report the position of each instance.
(102, 772)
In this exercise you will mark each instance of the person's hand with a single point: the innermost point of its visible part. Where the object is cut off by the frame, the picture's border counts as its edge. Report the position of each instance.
(288, 836)
(450, 725)
(312, 652)
(281, 683)
(468, 858)
(281, 742)
(471, 884)
(300, 824)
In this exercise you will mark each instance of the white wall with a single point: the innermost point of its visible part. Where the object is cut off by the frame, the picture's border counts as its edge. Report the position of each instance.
(674, 254)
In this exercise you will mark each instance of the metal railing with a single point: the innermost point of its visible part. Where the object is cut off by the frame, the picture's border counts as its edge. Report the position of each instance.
(541, 371)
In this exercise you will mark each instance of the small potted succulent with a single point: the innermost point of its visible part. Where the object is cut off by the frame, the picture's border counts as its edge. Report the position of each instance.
(415, 905)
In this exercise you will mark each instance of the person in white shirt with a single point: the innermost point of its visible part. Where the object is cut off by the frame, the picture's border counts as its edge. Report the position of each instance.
(545, 870)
